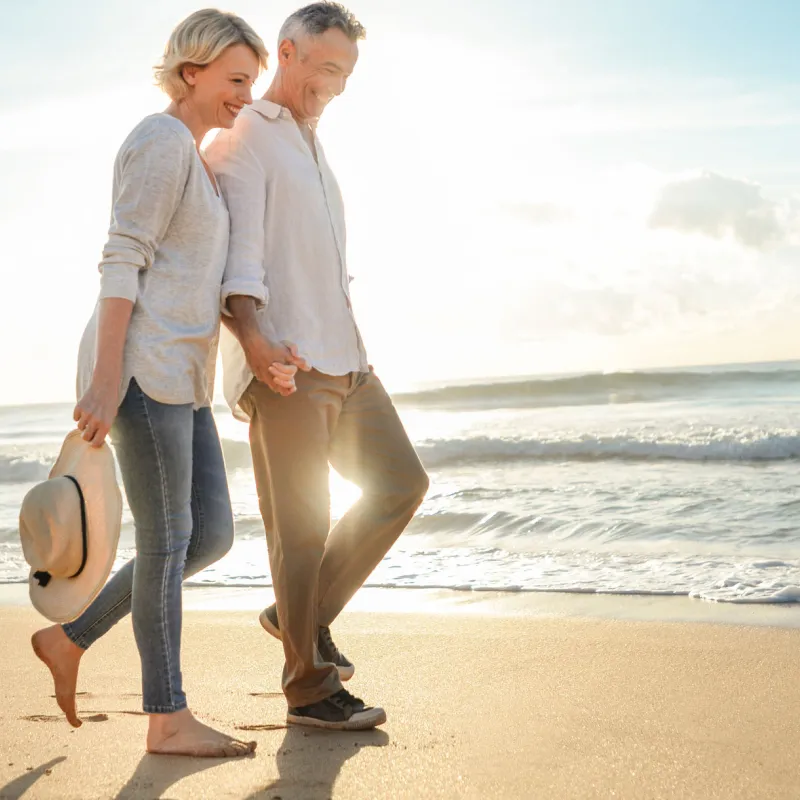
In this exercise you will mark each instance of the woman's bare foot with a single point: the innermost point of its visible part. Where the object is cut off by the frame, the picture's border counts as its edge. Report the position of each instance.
(62, 657)
(181, 734)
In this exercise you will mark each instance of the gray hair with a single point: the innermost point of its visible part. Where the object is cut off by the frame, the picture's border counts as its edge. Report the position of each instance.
(315, 19)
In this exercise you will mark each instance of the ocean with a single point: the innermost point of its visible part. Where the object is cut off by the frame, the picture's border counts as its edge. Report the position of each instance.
(668, 482)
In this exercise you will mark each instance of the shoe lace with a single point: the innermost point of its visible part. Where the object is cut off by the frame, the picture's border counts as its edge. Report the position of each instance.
(343, 698)
(325, 635)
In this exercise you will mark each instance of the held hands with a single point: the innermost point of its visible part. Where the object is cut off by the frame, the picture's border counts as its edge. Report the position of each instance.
(274, 364)
(96, 411)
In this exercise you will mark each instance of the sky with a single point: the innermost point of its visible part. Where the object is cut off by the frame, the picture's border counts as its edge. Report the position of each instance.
(532, 186)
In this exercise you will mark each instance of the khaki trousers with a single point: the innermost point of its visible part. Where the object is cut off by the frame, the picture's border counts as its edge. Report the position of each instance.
(349, 422)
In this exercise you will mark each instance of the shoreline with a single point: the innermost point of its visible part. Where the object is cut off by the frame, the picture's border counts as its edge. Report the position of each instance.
(411, 600)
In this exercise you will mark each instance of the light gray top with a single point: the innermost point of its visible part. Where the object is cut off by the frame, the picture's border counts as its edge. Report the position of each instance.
(287, 245)
(166, 252)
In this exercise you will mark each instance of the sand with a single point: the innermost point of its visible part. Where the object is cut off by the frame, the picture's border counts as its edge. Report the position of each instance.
(480, 705)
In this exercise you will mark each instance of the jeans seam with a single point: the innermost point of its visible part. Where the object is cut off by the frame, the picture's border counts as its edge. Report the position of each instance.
(152, 709)
(81, 640)
(165, 495)
(201, 522)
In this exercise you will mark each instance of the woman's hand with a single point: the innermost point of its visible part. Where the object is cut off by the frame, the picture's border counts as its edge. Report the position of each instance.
(96, 410)
(273, 364)
(282, 378)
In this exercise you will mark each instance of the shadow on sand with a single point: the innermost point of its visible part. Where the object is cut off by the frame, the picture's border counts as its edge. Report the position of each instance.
(309, 762)
(18, 787)
(155, 774)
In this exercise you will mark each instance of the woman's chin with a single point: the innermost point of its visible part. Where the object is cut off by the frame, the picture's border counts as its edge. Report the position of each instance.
(226, 120)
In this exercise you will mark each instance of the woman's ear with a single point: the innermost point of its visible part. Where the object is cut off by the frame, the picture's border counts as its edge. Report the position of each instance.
(189, 73)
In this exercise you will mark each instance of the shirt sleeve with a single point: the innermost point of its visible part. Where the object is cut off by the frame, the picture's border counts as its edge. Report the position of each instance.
(151, 176)
(243, 183)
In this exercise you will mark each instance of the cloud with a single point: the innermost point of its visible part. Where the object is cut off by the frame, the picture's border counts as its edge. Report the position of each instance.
(718, 206)
(540, 213)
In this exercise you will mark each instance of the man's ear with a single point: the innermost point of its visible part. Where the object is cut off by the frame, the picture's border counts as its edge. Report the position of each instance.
(286, 49)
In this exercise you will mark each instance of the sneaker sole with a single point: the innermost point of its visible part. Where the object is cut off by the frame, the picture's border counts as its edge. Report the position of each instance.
(367, 722)
(267, 625)
(345, 673)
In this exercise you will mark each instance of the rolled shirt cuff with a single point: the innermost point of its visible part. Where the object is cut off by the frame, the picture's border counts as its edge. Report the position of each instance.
(119, 280)
(246, 288)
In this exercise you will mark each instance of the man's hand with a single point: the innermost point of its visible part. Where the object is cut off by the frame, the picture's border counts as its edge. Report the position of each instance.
(274, 364)
(296, 358)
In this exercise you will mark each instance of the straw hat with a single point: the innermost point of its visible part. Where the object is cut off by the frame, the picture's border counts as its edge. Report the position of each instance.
(69, 526)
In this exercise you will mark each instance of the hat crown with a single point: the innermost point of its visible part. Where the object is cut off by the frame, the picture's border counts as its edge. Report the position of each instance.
(69, 527)
(51, 528)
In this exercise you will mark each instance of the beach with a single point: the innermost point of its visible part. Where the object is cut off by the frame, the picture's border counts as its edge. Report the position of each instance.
(597, 599)
(484, 699)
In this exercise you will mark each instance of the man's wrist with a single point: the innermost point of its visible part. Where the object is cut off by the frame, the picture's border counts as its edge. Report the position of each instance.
(245, 321)
(249, 336)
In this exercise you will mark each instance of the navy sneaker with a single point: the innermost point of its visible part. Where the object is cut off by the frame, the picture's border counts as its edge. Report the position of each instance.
(331, 654)
(339, 712)
(328, 650)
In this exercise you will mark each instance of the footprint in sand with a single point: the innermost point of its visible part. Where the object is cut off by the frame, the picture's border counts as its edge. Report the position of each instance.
(267, 727)
(60, 718)
(91, 694)
(89, 716)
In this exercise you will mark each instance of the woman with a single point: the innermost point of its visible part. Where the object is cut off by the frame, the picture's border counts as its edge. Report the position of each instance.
(145, 373)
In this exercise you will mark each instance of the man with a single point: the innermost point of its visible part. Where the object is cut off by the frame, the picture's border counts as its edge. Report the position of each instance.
(287, 280)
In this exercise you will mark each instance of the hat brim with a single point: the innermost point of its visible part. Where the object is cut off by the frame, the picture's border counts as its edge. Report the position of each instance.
(65, 599)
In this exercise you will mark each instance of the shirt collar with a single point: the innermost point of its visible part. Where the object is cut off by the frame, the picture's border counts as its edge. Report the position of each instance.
(270, 110)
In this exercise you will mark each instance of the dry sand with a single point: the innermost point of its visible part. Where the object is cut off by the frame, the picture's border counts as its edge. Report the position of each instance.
(479, 706)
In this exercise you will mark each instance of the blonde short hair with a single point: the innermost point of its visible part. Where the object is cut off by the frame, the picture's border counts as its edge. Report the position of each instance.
(200, 39)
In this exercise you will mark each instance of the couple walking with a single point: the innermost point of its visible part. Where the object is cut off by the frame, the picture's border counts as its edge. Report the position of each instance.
(250, 233)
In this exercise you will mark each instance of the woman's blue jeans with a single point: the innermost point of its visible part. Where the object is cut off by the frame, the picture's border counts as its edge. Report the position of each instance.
(174, 476)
